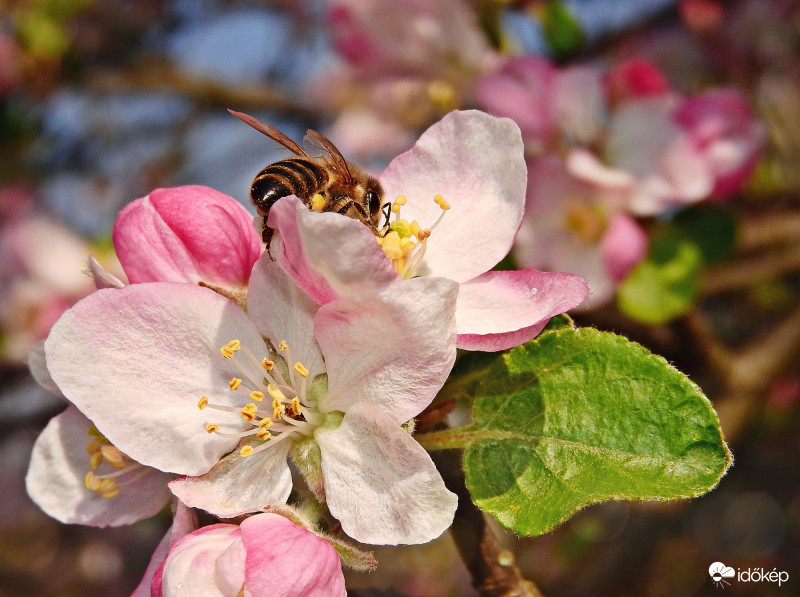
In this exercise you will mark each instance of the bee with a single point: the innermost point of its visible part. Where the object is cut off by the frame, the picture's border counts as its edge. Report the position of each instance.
(323, 183)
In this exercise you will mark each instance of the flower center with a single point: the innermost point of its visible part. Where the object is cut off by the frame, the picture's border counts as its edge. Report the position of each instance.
(103, 455)
(404, 243)
(585, 222)
(292, 412)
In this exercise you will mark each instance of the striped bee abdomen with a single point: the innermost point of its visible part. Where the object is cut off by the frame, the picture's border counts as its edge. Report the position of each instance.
(296, 176)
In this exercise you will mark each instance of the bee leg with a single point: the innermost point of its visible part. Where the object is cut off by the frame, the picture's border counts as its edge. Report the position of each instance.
(359, 208)
(387, 214)
(266, 237)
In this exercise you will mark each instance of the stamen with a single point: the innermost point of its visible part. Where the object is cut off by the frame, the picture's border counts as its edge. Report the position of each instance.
(273, 391)
(439, 200)
(95, 460)
(265, 423)
(246, 451)
(114, 457)
(263, 434)
(249, 412)
(296, 406)
(234, 383)
(267, 364)
(202, 403)
(212, 427)
(301, 369)
(283, 345)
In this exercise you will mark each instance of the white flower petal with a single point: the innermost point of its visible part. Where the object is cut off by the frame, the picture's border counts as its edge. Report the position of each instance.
(381, 484)
(58, 466)
(283, 312)
(136, 360)
(391, 349)
(475, 161)
(237, 485)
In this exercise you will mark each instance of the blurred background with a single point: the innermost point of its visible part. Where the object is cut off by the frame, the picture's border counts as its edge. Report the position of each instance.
(662, 139)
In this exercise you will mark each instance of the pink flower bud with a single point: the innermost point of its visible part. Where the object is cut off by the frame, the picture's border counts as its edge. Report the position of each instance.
(635, 78)
(187, 234)
(267, 555)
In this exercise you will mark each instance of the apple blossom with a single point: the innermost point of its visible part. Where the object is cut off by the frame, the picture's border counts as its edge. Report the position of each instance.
(342, 379)
(187, 234)
(266, 556)
(469, 161)
(77, 476)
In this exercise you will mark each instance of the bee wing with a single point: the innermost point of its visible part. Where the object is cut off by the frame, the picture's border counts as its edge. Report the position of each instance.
(337, 161)
(271, 132)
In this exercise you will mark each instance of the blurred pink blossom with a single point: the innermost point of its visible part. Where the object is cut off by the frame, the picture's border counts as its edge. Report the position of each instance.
(634, 78)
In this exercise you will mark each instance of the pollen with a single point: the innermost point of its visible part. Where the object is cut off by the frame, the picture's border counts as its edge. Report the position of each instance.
(439, 200)
(267, 364)
(283, 345)
(202, 403)
(317, 202)
(234, 383)
(265, 423)
(256, 395)
(296, 406)
(246, 451)
(212, 427)
(249, 412)
(301, 369)
(404, 242)
(263, 434)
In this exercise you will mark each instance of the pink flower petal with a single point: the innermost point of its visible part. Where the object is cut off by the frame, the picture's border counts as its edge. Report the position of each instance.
(186, 234)
(286, 560)
(326, 254)
(380, 483)
(391, 350)
(475, 161)
(238, 485)
(623, 246)
(58, 466)
(283, 312)
(137, 360)
(502, 309)
(183, 523)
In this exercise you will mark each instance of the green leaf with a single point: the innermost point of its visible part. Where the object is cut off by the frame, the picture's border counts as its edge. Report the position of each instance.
(579, 416)
(664, 285)
(712, 229)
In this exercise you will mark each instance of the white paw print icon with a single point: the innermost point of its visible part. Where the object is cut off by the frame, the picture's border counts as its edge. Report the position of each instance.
(719, 572)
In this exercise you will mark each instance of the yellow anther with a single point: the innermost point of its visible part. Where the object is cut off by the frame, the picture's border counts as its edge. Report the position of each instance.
(202, 403)
(212, 427)
(95, 460)
(399, 264)
(234, 345)
(110, 491)
(380, 240)
(108, 488)
(395, 208)
(318, 202)
(401, 200)
(263, 434)
(275, 392)
(265, 423)
(93, 447)
(296, 406)
(422, 235)
(234, 383)
(94, 432)
(415, 228)
(113, 456)
(301, 369)
(406, 244)
(226, 352)
(267, 364)
(439, 200)
(278, 412)
(88, 480)
(246, 451)
(283, 345)
(249, 412)
(256, 395)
